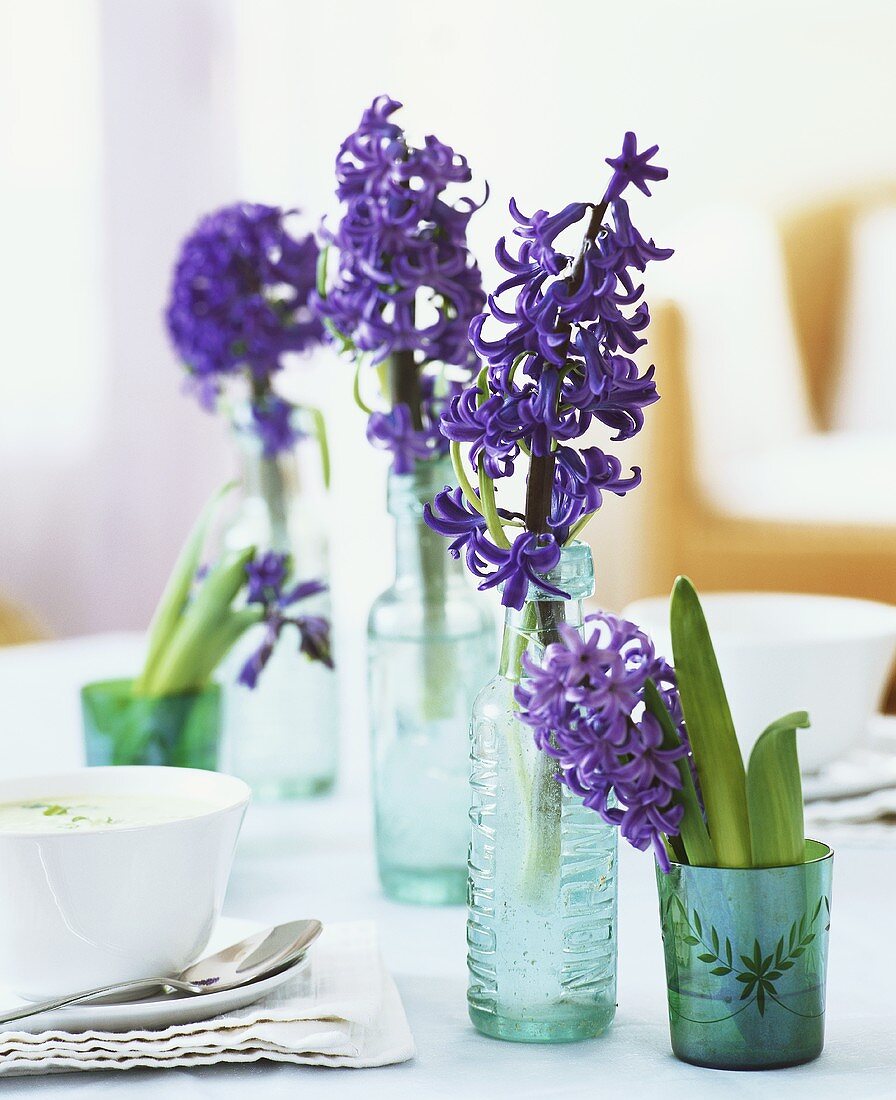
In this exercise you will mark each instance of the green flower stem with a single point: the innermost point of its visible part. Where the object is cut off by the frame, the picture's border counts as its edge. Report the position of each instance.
(490, 510)
(578, 528)
(463, 480)
(437, 658)
(356, 388)
(321, 274)
(319, 431)
(539, 793)
(273, 490)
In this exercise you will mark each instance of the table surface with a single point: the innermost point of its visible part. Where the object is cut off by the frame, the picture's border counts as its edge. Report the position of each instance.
(315, 859)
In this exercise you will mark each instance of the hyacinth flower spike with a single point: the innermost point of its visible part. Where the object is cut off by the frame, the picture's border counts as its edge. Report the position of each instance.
(561, 365)
(239, 309)
(556, 340)
(397, 288)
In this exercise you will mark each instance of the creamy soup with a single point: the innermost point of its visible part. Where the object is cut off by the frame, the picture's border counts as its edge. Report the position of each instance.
(91, 813)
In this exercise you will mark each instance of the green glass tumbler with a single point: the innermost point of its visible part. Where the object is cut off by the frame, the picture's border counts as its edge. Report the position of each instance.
(176, 730)
(746, 961)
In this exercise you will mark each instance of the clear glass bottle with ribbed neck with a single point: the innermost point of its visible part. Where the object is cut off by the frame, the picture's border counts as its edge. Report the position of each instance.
(541, 927)
(282, 738)
(431, 641)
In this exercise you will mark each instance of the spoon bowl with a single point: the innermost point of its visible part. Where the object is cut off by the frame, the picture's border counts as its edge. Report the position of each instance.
(252, 958)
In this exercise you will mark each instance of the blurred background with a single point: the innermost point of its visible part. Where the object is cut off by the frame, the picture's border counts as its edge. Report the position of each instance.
(771, 463)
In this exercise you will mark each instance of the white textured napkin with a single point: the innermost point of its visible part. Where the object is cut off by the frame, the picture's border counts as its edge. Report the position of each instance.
(342, 1010)
(857, 794)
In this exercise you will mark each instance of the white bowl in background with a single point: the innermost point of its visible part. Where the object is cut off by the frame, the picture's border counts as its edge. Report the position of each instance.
(86, 909)
(780, 652)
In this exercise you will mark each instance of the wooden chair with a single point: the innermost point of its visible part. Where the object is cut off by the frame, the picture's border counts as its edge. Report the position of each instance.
(689, 534)
(17, 626)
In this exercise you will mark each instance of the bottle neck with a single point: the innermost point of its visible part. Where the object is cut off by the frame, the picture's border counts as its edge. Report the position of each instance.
(535, 626)
(421, 554)
(270, 484)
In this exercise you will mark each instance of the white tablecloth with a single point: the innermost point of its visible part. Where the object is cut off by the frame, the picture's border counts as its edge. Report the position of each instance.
(315, 860)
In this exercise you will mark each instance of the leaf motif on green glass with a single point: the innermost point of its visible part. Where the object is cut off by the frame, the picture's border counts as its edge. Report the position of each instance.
(760, 970)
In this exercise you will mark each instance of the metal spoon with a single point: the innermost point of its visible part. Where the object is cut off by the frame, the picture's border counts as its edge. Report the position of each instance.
(255, 957)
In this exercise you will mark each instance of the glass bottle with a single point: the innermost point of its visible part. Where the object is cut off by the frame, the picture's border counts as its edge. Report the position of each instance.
(431, 639)
(541, 928)
(282, 736)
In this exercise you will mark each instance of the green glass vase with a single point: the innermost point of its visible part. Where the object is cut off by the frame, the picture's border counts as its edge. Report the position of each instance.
(176, 730)
(746, 960)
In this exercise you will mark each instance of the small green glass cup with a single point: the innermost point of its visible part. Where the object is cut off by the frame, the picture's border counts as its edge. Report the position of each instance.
(746, 961)
(175, 730)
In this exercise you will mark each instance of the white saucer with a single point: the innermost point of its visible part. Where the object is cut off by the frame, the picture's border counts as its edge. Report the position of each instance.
(159, 1011)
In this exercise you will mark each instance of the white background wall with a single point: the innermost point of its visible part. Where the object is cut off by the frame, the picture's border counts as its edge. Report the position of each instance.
(122, 120)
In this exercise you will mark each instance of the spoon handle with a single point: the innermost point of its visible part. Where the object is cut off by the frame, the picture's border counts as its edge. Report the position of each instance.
(142, 985)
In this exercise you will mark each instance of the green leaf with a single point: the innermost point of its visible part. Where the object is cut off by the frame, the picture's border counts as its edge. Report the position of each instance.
(706, 958)
(694, 834)
(184, 665)
(710, 729)
(775, 795)
(714, 935)
(692, 941)
(721, 970)
(697, 923)
(177, 590)
(218, 641)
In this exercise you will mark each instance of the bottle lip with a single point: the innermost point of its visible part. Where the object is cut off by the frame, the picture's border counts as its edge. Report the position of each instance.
(409, 492)
(245, 430)
(573, 575)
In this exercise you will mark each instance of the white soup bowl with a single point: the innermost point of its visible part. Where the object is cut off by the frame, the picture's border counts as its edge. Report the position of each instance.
(86, 909)
(780, 652)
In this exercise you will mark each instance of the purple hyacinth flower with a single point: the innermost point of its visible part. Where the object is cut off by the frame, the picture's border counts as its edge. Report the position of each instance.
(394, 432)
(528, 560)
(400, 238)
(255, 665)
(240, 297)
(633, 167)
(556, 339)
(585, 703)
(273, 418)
(266, 576)
(314, 638)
